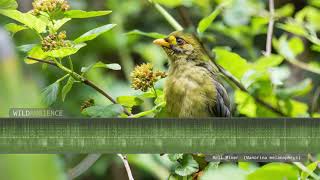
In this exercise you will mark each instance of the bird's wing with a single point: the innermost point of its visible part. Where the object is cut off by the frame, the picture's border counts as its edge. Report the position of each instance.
(221, 107)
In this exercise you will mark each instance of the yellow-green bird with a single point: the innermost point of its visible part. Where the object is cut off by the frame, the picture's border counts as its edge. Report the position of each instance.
(192, 88)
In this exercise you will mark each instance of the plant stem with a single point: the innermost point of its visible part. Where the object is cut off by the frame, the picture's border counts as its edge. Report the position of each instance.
(126, 165)
(305, 169)
(83, 166)
(155, 92)
(80, 78)
(167, 16)
(270, 29)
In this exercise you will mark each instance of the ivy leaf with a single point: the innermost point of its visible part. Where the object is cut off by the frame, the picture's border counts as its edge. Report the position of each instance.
(50, 93)
(85, 14)
(206, 22)
(113, 66)
(147, 34)
(187, 166)
(65, 51)
(113, 110)
(66, 88)
(14, 28)
(311, 167)
(129, 101)
(92, 34)
(35, 52)
(8, 4)
(25, 18)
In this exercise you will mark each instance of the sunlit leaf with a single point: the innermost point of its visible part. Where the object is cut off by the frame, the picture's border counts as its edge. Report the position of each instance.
(206, 22)
(293, 28)
(14, 28)
(299, 89)
(50, 93)
(311, 167)
(113, 66)
(65, 51)
(275, 171)
(265, 62)
(169, 3)
(113, 110)
(59, 23)
(187, 166)
(67, 87)
(147, 34)
(129, 101)
(8, 4)
(285, 11)
(26, 47)
(85, 14)
(35, 52)
(225, 171)
(92, 34)
(25, 18)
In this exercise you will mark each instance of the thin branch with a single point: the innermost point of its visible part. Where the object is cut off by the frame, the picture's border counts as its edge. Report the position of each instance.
(270, 29)
(305, 169)
(82, 79)
(314, 101)
(83, 166)
(126, 165)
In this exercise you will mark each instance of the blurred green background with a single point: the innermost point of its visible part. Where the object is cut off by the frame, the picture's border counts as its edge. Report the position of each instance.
(241, 28)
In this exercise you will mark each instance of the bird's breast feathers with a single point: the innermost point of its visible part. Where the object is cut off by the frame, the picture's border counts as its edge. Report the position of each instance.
(189, 92)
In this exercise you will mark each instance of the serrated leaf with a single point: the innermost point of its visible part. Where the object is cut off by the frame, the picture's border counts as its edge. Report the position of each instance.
(50, 93)
(25, 18)
(147, 34)
(113, 110)
(35, 52)
(129, 101)
(65, 51)
(187, 166)
(311, 167)
(92, 34)
(206, 22)
(8, 4)
(85, 14)
(14, 28)
(113, 66)
(66, 88)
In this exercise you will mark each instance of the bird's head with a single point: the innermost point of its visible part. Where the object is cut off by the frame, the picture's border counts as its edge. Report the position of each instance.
(180, 46)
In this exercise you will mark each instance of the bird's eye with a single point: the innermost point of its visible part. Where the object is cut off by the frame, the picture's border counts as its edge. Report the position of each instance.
(180, 41)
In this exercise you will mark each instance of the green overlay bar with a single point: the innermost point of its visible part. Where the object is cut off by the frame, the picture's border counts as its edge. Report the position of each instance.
(215, 135)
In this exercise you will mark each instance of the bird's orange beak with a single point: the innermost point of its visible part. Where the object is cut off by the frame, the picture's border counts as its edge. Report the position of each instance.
(162, 42)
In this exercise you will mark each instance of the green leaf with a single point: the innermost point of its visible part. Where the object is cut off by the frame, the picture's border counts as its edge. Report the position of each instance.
(129, 101)
(113, 66)
(50, 93)
(8, 4)
(85, 14)
(299, 89)
(59, 23)
(265, 62)
(187, 166)
(224, 171)
(294, 28)
(175, 157)
(311, 167)
(206, 22)
(113, 110)
(25, 18)
(232, 62)
(36, 52)
(65, 51)
(66, 88)
(245, 104)
(26, 48)
(147, 34)
(170, 3)
(285, 11)
(275, 171)
(14, 28)
(92, 34)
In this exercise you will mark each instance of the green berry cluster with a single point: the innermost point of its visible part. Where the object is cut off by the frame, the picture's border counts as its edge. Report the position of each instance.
(49, 6)
(55, 41)
(143, 77)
